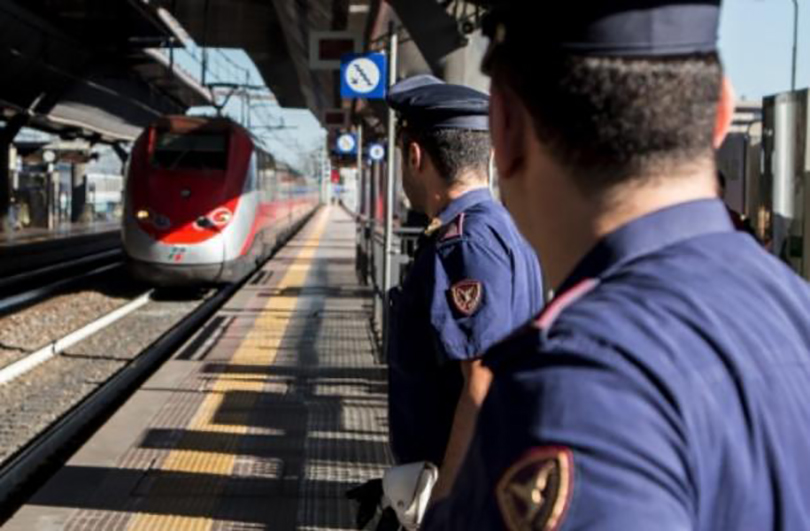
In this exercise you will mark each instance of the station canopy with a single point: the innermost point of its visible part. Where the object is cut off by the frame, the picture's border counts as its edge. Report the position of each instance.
(88, 67)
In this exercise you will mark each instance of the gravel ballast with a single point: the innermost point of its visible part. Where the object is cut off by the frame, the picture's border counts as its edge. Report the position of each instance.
(30, 403)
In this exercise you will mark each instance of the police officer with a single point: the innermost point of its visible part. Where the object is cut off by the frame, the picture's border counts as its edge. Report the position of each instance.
(667, 386)
(473, 280)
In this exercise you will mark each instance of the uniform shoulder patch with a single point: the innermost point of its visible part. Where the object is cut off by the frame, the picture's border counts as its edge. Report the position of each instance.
(454, 229)
(535, 492)
(467, 296)
(562, 301)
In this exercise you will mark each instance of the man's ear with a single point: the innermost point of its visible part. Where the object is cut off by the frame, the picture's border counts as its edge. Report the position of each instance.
(508, 126)
(725, 113)
(415, 156)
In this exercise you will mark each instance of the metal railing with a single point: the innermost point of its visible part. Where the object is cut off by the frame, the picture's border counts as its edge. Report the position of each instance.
(370, 261)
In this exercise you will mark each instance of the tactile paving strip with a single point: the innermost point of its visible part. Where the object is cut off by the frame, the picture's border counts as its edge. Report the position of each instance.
(287, 412)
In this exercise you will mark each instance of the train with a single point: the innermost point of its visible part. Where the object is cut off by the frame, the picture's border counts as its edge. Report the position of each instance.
(205, 203)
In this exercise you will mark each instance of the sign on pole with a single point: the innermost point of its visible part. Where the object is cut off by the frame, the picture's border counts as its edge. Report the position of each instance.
(347, 144)
(363, 76)
(376, 152)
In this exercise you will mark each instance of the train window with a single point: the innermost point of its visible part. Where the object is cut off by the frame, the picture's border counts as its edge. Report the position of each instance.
(190, 151)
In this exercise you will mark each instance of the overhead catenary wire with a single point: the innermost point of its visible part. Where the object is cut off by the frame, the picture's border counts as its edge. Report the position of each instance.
(266, 121)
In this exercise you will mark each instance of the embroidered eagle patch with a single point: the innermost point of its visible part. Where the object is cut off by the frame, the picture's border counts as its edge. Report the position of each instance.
(535, 492)
(467, 296)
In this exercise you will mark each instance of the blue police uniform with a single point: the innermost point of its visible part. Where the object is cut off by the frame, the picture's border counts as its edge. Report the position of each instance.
(667, 386)
(473, 280)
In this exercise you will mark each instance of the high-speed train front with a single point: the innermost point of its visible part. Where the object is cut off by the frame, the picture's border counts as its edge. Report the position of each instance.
(204, 204)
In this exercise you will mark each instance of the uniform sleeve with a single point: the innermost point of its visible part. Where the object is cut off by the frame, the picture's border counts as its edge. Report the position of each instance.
(471, 306)
(572, 446)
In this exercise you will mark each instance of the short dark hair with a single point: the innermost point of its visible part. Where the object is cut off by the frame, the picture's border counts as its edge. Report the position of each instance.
(608, 120)
(453, 151)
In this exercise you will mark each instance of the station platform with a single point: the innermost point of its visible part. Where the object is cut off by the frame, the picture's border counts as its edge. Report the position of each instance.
(262, 421)
(67, 231)
(27, 250)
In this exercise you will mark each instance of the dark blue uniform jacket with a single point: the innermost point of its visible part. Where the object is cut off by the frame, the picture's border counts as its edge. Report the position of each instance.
(472, 282)
(666, 388)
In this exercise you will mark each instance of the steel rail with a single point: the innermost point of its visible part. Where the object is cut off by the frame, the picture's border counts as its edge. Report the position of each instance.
(16, 301)
(72, 429)
(16, 471)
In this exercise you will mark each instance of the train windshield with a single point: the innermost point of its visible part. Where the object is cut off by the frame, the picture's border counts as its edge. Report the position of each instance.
(196, 151)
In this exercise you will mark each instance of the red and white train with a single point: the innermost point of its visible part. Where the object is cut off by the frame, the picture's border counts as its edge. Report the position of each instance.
(205, 204)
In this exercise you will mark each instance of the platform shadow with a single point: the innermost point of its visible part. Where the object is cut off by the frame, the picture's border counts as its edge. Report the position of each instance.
(351, 450)
(314, 426)
(261, 502)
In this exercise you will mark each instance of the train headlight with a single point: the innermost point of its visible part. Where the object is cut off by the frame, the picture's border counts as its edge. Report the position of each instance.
(142, 215)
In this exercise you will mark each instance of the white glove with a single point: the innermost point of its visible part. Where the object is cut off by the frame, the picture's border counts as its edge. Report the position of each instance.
(407, 490)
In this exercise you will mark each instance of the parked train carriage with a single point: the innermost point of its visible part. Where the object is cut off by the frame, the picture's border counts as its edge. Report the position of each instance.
(205, 204)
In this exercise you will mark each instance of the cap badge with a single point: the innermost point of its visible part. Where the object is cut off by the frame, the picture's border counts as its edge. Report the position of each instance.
(535, 492)
(467, 296)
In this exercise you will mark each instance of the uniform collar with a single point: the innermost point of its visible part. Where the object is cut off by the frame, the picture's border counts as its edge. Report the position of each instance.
(462, 203)
(649, 234)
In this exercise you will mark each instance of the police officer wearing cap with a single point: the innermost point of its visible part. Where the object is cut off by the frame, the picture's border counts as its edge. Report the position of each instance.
(474, 277)
(667, 385)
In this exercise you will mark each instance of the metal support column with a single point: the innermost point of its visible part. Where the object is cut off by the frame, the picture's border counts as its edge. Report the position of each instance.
(7, 135)
(359, 156)
(5, 187)
(78, 195)
(50, 196)
(362, 231)
(795, 43)
(360, 187)
(371, 231)
(389, 181)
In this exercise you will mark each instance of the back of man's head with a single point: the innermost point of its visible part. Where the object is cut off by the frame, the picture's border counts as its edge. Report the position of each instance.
(616, 89)
(457, 154)
(608, 120)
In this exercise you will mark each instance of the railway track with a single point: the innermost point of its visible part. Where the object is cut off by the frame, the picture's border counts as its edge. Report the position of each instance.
(111, 356)
(14, 370)
(24, 289)
(64, 435)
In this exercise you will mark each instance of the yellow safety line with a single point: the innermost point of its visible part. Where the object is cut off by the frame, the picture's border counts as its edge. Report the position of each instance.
(259, 348)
